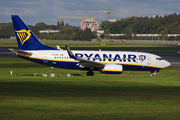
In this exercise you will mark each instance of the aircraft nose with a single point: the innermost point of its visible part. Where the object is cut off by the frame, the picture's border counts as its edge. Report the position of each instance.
(166, 64)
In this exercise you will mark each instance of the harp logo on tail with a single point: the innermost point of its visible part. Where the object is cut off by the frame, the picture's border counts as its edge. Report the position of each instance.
(23, 35)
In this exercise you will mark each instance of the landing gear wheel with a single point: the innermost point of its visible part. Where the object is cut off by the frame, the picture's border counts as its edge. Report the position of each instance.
(150, 74)
(90, 73)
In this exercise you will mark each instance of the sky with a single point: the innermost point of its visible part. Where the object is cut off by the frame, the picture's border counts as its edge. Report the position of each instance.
(33, 11)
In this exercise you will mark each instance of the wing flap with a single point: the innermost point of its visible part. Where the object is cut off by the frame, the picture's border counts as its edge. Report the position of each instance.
(88, 63)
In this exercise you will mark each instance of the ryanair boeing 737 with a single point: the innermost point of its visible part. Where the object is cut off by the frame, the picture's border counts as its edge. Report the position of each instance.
(107, 62)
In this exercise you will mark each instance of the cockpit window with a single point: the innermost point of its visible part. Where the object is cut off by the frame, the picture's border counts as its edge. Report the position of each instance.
(159, 58)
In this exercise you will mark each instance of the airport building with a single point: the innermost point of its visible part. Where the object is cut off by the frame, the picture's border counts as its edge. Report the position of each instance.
(49, 31)
(138, 36)
(90, 23)
(86, 22)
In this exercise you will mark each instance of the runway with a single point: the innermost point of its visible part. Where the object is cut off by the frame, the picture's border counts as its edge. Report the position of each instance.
(4, 52)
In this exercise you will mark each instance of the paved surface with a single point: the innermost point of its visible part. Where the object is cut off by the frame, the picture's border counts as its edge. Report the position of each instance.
(4, 52)
(175, 61)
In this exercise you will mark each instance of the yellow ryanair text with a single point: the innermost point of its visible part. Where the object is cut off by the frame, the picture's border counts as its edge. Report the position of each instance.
(23, 35)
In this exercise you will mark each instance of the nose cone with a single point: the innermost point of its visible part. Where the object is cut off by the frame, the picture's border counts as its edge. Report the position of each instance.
(166, 64)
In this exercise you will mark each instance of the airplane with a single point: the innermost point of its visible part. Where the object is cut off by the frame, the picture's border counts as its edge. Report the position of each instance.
(107, 62)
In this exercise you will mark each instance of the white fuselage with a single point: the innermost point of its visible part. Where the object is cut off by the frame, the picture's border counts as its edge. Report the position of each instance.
(129, 60)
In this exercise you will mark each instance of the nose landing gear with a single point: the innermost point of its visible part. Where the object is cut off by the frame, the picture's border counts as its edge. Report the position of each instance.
(153, 72)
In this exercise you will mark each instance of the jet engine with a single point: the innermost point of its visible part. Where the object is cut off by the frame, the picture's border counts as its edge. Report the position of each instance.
(112, 69)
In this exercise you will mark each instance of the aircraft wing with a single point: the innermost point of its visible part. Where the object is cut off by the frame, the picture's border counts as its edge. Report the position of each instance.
(20, 52)
(83, 62)
(88, 63)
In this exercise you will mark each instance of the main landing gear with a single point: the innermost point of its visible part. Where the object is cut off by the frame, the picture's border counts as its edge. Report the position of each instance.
(90, 73)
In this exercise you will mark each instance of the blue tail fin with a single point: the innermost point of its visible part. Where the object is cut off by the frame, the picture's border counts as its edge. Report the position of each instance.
(25, 38)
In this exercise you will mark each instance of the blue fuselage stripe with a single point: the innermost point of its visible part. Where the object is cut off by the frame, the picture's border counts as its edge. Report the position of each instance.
(73, 65)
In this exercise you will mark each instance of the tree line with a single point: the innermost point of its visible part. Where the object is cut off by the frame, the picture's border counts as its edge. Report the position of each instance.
(67, 32)
(164, 25)
(169, 24)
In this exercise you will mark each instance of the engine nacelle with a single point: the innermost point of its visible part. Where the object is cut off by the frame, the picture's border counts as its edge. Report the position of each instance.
(112, 69)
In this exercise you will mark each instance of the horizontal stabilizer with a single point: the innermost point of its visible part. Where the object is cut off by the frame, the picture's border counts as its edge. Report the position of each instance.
(20, 52)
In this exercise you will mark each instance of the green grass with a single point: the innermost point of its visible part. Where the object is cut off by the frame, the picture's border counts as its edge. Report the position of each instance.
(132, 95)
